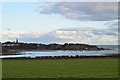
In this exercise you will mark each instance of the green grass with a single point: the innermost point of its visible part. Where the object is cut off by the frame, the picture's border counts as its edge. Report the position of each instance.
(66, 68)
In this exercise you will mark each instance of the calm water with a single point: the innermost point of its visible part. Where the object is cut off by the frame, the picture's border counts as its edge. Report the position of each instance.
(34, 54)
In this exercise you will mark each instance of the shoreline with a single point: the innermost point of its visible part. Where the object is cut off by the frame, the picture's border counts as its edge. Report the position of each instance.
(67, 57)
(13, 52)
(22, 56)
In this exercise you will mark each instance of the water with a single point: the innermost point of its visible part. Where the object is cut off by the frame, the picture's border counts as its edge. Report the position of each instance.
(34, 54)
(109, 46)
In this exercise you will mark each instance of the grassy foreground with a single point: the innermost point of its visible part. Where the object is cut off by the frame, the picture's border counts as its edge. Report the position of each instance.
(66, 68)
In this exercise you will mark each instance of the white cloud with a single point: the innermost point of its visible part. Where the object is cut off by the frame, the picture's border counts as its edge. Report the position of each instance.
(106, 39)
(74, 35)
(14, 35)
(87, 35)
(31, 34)
(65, 34)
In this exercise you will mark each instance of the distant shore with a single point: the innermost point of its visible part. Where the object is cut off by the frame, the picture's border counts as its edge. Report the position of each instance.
(11, 48)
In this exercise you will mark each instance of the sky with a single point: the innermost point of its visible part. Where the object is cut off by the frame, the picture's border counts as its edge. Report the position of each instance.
(60, 22)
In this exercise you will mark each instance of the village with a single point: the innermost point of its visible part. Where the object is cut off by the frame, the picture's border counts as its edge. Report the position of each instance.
(17, 46)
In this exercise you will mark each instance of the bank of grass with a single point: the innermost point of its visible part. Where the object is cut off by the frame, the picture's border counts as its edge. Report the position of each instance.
(61, 68)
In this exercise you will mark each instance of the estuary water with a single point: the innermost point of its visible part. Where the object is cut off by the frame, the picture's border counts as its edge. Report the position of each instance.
(33, 54)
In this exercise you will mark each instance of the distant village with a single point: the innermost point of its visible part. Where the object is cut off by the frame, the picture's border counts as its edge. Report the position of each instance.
(20, 46)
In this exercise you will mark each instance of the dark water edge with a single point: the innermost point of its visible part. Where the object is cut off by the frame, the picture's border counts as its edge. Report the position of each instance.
(109, 46)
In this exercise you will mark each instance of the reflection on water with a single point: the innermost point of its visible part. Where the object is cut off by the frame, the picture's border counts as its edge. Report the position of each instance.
(34, 54)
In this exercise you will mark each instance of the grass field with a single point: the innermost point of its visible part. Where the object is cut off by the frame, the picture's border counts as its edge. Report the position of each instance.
(66, 68)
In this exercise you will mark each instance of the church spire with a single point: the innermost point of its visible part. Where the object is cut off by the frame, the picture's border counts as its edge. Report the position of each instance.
(16, 40)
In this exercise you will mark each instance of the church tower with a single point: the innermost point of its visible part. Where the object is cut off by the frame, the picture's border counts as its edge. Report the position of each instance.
(16, 40)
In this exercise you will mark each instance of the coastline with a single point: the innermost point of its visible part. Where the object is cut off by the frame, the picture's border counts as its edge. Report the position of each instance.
(69, 57)
(23, 54)
(14, 52)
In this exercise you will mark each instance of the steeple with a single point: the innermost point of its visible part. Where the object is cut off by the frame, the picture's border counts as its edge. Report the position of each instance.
(16, 40)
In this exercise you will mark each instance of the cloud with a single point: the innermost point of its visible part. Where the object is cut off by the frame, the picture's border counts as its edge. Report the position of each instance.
(104, 32)
(113, 26)
(70, 35)
(86, 35)
(31, 34)
(15, 35)
(95, 11)
(103, 40)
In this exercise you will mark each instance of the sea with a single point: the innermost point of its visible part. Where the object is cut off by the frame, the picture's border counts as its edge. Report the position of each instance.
(33, 54)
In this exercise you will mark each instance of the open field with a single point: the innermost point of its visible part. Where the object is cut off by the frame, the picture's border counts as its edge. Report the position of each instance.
(58, 68)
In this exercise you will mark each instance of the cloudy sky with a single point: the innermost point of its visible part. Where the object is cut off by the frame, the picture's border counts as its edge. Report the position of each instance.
(60, 22)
